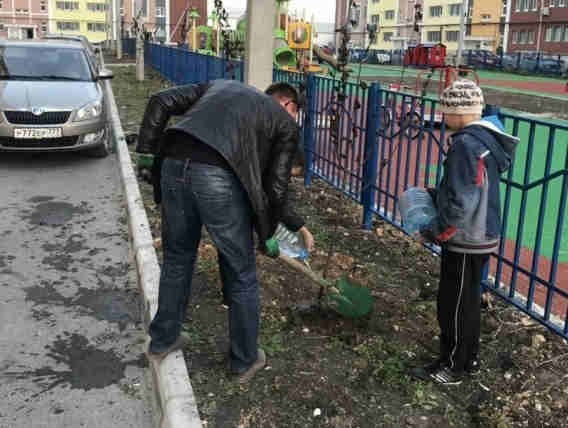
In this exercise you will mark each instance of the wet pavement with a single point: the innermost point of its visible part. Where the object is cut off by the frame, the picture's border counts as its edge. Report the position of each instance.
(71, 339)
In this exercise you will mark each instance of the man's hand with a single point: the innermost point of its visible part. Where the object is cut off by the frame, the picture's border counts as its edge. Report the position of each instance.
(307, 238)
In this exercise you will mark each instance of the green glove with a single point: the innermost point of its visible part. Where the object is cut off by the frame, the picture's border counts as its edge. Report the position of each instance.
(144, 162)
(271, 248)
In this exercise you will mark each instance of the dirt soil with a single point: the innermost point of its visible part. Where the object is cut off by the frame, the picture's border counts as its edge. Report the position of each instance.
(327, 371)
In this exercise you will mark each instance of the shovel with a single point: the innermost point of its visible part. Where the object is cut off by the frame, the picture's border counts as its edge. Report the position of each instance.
(343, 297)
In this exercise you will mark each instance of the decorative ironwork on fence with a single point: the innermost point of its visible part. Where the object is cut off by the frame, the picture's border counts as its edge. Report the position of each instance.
(396, 140)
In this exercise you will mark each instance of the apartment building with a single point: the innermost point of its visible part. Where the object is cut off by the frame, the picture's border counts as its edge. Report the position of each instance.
(384, 13)
(485, 25)
(23, 19)
(85, 17)
(359, 37)
(154, 15)
(539, 26)
(441, 22)
(177, 10)
(395, 19)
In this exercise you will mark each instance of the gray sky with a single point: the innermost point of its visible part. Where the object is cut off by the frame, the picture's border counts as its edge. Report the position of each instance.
(324, 10)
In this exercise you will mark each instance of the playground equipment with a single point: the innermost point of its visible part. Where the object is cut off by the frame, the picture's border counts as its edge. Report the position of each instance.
(293, 38)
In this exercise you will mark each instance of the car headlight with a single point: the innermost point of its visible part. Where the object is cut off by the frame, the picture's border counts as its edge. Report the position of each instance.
(90, 111)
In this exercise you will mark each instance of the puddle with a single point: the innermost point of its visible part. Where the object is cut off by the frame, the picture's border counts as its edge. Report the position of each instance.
(88, 367)
(55, 213)
(114, 306)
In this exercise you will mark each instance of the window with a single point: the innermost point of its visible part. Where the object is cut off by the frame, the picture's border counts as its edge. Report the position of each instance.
(485, 17)
(504, 11)
(121, 7)
(44, 27)
(43, 6)
(67, 5)
(530, 37)
(160, 12)
(548, 35)
(374, 19)
(1, 5)
(96, 27)
(96, 7)
(435, 11)
(376, 1)
(67, 26)
(523, 37)
(565, 33)
(557, 33)
(387, 37)
(532, 4)
(21, 11)
(452, 36)
(514, 36)
(389, 15)
(454, 9)
(434, 36)
(561, 3)
(140, 5)
(2, 27)
(523, 5)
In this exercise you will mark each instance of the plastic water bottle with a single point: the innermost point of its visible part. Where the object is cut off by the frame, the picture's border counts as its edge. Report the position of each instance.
(290, 243)
(416, 208)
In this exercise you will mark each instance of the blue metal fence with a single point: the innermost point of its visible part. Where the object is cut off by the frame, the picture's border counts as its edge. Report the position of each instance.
(181, 66)
(129, 46)
(516, 62)
(387, 141)
(395, 140)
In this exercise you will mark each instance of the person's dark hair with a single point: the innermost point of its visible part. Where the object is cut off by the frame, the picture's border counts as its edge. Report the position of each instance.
(284, 90)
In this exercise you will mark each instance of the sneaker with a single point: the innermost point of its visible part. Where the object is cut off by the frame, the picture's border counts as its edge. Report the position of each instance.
(158, 356)
(446, 376)
(473, 367)
(423, 373)
(247, 375)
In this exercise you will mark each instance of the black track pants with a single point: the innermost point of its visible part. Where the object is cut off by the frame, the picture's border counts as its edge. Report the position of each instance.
(459, 307)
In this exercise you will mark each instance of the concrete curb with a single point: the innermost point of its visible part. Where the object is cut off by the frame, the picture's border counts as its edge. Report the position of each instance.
(171, 379)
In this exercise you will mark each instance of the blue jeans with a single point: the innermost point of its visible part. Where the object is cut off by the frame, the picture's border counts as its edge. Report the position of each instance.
(193, 195)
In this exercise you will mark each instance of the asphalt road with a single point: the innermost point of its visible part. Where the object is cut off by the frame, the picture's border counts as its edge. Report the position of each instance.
(71, 340)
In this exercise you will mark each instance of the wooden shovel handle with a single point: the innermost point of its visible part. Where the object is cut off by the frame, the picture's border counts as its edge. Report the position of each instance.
(303, 269)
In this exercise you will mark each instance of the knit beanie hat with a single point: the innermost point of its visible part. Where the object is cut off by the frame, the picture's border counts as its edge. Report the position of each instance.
(462, 97)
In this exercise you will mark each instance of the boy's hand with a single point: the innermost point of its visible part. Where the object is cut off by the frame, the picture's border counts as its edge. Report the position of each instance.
(308, 238)
(426, 236)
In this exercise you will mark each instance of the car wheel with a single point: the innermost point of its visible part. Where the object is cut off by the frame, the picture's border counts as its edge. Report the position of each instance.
(102, 150)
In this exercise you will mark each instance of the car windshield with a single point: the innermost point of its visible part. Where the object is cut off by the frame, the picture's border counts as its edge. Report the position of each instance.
(43, 63)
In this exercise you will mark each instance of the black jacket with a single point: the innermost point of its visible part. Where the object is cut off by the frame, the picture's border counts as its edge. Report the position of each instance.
(254, 133)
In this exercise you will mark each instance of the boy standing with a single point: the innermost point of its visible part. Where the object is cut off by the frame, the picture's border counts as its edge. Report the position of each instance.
(468, 225)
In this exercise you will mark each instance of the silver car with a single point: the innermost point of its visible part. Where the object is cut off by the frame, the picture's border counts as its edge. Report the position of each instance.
(51, 98)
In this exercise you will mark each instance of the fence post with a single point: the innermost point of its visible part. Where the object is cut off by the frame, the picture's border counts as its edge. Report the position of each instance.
(371, 154)
(309, 135)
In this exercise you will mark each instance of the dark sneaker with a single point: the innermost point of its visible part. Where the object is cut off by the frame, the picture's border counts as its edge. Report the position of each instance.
(247, 375)
(423, 373)
(158, 356)
(446, 376)
(473, 367)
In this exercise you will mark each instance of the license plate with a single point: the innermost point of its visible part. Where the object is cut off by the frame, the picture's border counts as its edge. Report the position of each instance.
(37, 133)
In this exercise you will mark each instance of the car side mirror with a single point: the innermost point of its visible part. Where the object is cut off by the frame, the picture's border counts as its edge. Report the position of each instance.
(105, 74)
(97, 50)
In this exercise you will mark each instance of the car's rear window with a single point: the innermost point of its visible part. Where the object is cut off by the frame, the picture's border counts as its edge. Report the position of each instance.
(44, 62)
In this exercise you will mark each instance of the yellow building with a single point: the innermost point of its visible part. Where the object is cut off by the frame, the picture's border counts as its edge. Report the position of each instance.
(85, 17)
(483, 30)
(384, 13)
(441, 23)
